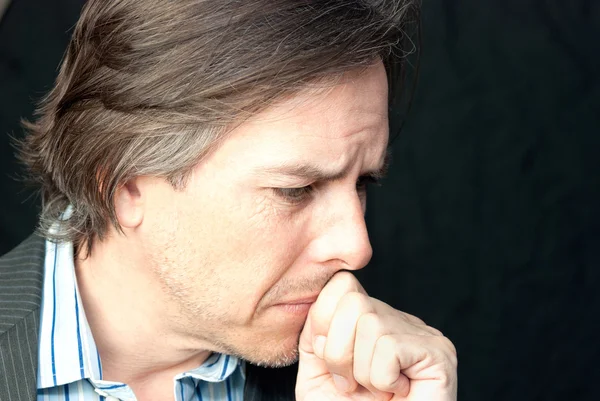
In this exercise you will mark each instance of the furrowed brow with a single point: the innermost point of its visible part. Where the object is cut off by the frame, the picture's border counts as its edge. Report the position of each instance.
(307, 172)
(314, 173)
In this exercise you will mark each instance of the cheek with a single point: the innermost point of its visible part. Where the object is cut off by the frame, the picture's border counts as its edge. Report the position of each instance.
(242, 247)
(260, 250)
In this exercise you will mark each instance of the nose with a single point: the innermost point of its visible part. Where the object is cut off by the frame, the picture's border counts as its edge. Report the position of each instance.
(342, 238)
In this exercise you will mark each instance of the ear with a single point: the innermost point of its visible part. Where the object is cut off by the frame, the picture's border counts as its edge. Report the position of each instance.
(129, 204)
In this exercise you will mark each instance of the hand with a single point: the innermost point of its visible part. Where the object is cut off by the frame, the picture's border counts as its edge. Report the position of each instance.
(354, 347)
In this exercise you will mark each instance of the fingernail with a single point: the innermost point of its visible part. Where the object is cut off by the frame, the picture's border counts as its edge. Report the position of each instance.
(319, 346)
(340, 382)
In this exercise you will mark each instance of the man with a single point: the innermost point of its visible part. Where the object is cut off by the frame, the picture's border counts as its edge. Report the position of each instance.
(203, 167)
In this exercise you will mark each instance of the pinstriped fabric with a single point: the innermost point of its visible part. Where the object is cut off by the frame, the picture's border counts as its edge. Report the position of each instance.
(21, 276)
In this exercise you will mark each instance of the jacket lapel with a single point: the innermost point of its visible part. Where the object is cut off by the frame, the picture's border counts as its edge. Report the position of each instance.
(267, 384)
(21, 280)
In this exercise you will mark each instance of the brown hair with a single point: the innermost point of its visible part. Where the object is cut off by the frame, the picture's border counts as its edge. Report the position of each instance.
(148, 87)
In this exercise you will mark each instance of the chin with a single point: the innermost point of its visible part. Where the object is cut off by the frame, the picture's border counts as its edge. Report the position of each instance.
(277, 361)
(276, 353)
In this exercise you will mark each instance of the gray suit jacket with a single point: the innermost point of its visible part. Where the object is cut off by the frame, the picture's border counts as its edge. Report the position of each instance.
(21, 278)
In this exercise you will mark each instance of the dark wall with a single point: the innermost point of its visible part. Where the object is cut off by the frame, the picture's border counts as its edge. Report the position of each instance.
(488, 226)
(33, 37)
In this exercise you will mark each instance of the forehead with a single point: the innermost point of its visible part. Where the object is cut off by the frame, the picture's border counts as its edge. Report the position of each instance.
(357, 103)
(358, 98)
(336, 127)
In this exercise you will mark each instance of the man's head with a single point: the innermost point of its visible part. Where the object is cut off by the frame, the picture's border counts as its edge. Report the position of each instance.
(226, 143)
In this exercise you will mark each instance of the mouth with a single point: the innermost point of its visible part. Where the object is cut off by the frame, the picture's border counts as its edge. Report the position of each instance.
(297, 306)
(311, 299)
(300, 309)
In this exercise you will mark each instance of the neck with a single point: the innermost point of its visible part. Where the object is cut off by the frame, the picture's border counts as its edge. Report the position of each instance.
(131, 319)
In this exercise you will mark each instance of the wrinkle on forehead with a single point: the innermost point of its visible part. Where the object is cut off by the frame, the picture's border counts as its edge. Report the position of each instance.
(344, 126)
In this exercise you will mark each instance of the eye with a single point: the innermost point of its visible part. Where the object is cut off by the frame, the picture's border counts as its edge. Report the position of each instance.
(294, 195)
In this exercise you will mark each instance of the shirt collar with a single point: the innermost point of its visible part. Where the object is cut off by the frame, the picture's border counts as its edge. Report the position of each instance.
(67, 351)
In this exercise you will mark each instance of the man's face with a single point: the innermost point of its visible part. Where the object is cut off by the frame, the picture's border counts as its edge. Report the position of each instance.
(267, 219)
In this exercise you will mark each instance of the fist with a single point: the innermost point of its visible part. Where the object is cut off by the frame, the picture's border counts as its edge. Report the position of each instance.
(354, 347)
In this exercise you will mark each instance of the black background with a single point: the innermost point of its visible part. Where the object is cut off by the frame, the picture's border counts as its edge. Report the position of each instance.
(488, 226)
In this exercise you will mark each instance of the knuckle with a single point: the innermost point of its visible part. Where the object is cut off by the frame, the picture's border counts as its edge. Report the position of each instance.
(413, 319)
(449, 367)
(435, 331)
(385, 376)
(387, 342)
(354, 300)
(453, 362)
(449, 345)
(447, 353)
(369, 324)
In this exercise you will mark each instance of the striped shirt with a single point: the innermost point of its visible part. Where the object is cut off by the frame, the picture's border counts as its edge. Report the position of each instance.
(69, 366)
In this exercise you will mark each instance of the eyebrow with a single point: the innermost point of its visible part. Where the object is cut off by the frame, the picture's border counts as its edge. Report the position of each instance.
(314, 173)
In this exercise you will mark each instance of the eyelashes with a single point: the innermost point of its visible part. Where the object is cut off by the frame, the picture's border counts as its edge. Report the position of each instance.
(301, 194)
(294, 195)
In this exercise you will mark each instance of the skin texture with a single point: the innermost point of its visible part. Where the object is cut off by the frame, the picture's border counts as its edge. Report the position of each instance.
(267, 224)
(203, 269)
(354, 347)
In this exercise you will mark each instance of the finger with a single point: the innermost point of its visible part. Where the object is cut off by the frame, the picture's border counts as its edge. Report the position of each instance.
(368, 330)
(386, 368)
(370, 327)
(407, 363)
(340, 344)
(322, 311)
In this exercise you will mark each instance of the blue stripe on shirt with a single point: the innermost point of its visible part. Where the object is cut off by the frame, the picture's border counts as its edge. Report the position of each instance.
(99, 363)
(224, 367)
(113, 386)
(54, 314)
(81, 370)
(198, 392)
(228, 384)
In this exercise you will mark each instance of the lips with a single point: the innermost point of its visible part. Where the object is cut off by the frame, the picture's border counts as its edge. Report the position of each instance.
(299, 301)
